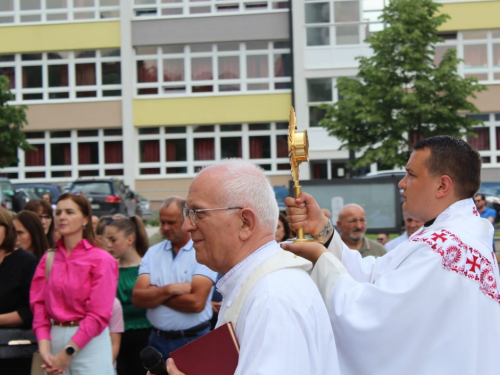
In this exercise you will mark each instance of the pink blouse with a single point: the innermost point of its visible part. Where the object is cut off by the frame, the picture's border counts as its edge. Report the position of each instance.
(80, 287)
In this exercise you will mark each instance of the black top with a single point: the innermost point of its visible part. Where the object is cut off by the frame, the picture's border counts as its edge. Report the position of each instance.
(16, 272)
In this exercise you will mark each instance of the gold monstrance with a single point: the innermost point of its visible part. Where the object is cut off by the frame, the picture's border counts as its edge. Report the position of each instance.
(298, 151)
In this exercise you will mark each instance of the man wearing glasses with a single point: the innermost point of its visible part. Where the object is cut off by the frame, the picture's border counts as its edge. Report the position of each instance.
(280, 320)
(173, 286)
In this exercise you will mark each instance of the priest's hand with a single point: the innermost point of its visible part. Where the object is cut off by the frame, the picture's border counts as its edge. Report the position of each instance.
(172, 369)
(308, 250)
(304, 212)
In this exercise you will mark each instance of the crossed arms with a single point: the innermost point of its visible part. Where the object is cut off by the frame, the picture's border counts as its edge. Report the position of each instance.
(183, 297)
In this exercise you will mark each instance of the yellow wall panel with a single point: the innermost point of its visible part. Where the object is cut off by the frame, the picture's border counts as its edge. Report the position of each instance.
(212, 110)
(472, 15)
(68, 36)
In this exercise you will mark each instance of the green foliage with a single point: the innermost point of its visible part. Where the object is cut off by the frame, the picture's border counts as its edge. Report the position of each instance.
(12, 121)
(399, 95)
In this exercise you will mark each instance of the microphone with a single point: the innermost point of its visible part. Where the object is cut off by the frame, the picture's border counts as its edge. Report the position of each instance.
(153, 361)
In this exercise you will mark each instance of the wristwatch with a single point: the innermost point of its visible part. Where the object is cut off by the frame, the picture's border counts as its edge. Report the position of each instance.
(326, 230)
(71, 351)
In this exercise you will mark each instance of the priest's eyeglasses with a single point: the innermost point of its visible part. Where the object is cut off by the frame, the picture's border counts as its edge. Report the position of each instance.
(189, 212)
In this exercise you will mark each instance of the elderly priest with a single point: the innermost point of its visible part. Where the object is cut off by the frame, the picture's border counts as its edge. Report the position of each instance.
(280, 319)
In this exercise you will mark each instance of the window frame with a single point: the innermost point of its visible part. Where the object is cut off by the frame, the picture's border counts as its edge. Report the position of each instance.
(74, 168)
(329, 32)
(192, 165)
(206, 8)
(188, 83)
(69, 11)
(72, 88)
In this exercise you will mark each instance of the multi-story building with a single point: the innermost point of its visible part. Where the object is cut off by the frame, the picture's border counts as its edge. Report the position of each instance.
(329, 34)
(148, 90)
(151, 90)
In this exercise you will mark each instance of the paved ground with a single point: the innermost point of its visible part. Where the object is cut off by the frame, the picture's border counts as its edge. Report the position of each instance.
(151, 230)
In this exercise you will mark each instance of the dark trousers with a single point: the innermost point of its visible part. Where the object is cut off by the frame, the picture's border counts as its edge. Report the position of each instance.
(15, 366)
(128, 361)
(165, 346)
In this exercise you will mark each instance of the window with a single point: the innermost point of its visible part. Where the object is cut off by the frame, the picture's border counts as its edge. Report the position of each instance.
(480, 50)
(320, 91)
(47, 11)
(62, 155)
(487, 139)
(173, 151)
(63, 76)
(172, 8)
(439, 52)
(212, 68)
(341, 22)
(328, 169)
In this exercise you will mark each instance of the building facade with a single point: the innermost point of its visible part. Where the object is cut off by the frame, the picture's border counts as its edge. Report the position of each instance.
(329, 34)
(151, 90)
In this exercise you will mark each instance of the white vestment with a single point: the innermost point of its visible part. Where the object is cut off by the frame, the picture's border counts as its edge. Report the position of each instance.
(431, 306)
(283, 326)
(392, 244)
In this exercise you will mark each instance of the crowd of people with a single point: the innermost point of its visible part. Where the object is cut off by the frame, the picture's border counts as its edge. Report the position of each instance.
(96, 291)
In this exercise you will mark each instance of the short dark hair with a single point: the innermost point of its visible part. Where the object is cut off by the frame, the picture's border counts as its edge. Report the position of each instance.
(31, 222)
(456, 158)
(483, 198)
(9, 242)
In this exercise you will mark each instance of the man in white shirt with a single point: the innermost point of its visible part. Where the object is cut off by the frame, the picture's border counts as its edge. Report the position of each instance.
(411, 226)
(432, 305)
(283, 325)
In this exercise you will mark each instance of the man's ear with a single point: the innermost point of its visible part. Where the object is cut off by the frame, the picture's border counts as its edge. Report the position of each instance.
(446, 186)
(248, 223)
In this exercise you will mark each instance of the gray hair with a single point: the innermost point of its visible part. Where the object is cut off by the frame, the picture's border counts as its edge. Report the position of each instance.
(243, 184)
(181, 202)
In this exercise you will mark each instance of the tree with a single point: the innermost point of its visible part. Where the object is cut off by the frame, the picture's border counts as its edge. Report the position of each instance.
(399, 94)
(12, 121)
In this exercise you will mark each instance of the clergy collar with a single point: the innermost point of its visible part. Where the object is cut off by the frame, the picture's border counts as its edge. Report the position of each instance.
(429, 223)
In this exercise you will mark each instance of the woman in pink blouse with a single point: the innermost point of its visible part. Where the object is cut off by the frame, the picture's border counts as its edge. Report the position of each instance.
(73, 307)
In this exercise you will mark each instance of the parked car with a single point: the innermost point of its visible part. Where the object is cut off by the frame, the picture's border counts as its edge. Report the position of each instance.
(145, 208)
(107, 196)
(280, 192)
(40, 189)
(491, 191)
(10, 198)
(389, 173)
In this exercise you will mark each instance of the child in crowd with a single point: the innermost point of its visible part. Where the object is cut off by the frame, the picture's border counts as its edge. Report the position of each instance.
(127, 241)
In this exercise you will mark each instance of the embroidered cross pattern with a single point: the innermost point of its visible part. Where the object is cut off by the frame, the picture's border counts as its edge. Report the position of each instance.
(463, 259)
(474, 211)
(473, 263)
(441, 236)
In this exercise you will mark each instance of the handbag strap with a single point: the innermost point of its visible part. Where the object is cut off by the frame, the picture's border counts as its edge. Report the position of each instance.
(49, 261)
